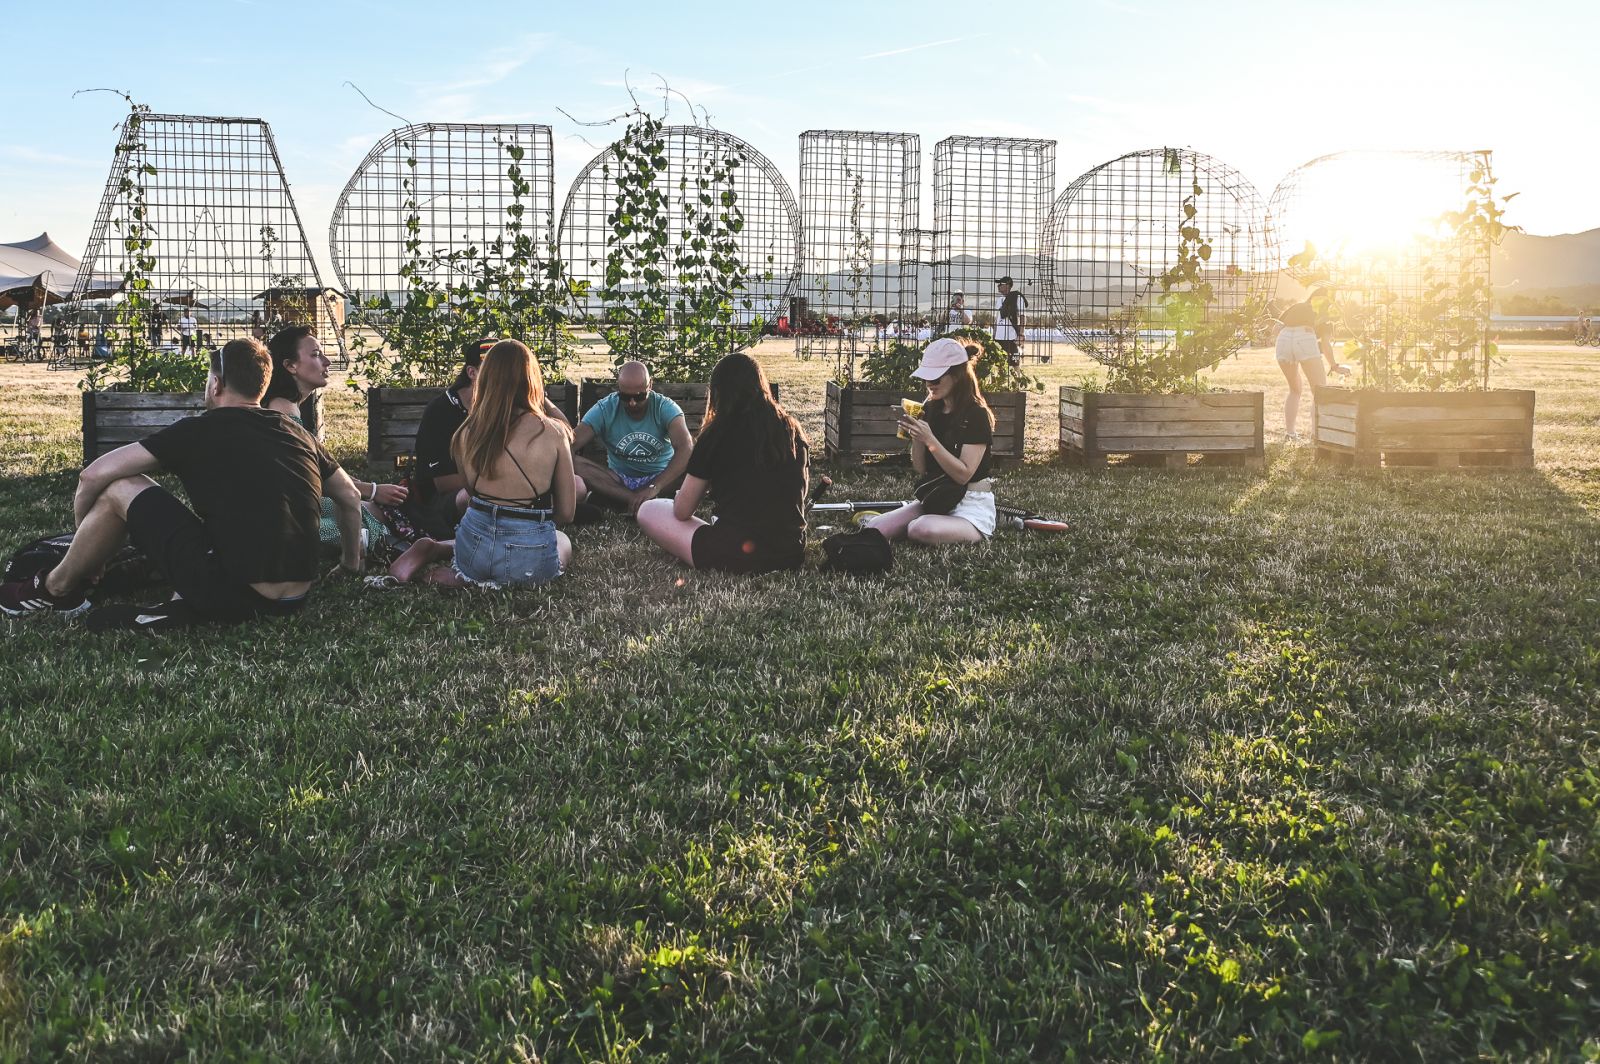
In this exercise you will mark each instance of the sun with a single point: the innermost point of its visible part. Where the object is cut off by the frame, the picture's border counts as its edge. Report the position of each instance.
(1365, 209)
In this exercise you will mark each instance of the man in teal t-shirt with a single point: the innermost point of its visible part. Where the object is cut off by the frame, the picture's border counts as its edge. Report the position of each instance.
(646, 439)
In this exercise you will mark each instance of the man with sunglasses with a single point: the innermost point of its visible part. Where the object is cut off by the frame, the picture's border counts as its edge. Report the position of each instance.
(646, 439)
(249, 548)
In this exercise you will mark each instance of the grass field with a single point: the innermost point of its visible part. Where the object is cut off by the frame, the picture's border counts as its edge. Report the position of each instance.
(1290, 764)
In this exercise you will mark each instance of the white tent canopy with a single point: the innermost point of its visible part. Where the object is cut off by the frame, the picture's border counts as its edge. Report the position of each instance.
(42, 263)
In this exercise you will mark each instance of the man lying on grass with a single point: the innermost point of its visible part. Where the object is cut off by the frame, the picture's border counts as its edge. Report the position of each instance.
(255, 478)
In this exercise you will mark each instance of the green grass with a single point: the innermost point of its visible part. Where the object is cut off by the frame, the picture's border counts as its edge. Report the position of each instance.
(1300, 764)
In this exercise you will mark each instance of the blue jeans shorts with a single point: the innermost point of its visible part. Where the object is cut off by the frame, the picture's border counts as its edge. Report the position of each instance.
(507, 546)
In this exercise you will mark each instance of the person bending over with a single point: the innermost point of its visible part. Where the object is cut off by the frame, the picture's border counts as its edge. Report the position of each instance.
(249, 548)
(299, 371)
(646, 439)
(516, 461)
(751, 455)
(954, 436)
(1303, 344)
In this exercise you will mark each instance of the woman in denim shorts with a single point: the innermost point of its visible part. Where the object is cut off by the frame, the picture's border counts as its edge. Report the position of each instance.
(1302, 346)
(506, 449)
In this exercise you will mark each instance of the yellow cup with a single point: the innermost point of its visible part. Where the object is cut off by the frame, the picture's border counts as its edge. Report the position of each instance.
(912, 409)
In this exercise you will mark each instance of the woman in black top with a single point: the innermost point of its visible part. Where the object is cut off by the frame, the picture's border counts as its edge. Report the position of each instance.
(954, 436)
(1301, 347)
(751, 455)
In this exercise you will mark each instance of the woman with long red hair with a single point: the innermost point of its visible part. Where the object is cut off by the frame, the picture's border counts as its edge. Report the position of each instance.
(517, 463)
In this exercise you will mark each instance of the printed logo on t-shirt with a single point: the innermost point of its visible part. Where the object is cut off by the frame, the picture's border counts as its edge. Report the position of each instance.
(638, 445)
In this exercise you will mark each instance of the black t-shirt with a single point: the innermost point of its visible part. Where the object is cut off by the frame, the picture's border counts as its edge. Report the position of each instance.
(1300, 315)
(769, 501)
(440, 419)
(254, 477)
(971, 427)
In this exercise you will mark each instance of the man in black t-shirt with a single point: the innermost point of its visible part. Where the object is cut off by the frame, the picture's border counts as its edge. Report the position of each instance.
(255, 478)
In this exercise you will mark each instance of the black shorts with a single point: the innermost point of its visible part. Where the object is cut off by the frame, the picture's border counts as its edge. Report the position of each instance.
(1008, 346)
(734, 550)
(177, 543)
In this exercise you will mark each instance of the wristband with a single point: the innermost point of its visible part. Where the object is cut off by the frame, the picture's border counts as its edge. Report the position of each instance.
(374, 494)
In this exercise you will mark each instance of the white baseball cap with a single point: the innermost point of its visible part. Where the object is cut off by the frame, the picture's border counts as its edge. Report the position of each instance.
(940, 356)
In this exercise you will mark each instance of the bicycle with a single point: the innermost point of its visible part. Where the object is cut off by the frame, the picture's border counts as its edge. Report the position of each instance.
(1587, 338)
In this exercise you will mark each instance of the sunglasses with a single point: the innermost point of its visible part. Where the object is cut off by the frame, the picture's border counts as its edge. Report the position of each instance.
(634, 397)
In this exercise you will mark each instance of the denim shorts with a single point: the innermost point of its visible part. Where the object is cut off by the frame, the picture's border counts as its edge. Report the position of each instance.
(1298, 343)
(506, 548)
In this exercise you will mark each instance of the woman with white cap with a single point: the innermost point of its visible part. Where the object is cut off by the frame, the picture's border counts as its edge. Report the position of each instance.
(951, 450)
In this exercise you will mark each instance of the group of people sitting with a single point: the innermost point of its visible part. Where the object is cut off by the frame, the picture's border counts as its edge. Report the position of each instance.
(498, 470)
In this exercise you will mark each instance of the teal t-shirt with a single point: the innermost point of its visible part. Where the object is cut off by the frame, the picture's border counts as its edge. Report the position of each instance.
(635, 448)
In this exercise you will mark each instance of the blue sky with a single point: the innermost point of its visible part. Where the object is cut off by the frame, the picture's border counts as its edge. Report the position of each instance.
(1262, 86)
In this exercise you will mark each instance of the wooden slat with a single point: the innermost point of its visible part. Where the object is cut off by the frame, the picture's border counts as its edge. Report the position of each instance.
(1336, 437)
(1220, 429)
(1164, 444)
(1333, 421)
(1424, 419)
(1128, 415)
(150, 400)
(1457, 441)
(1338, 409)
(1213, 400)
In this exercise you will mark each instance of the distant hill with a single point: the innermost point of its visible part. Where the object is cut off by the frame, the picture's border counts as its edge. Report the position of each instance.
(1547, 265)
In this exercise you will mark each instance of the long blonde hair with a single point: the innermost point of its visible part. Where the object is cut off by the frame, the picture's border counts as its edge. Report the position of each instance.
(509, 385)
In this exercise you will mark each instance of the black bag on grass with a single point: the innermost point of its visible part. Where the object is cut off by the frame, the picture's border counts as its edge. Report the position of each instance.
(865, 550)
(128, 570)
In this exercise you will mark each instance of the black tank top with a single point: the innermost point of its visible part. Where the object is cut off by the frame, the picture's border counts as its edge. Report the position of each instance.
(541, 500)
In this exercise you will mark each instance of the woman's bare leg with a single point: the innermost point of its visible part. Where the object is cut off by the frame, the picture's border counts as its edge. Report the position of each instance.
(421, 554)
(1291, 402)
(940, 528)
(676, 537)
(893, 524)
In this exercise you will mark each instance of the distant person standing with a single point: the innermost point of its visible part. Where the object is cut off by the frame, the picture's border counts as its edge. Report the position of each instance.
(258, 329)
(1008, 320)
(960, 316)
(186, 330)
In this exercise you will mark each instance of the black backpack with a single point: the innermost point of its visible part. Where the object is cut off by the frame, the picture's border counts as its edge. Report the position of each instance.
(865, 550)
(128, 570)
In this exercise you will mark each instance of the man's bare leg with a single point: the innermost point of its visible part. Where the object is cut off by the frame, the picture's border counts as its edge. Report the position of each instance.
(99, 536)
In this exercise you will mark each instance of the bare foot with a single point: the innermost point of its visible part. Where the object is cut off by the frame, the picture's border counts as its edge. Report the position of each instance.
(421, 554)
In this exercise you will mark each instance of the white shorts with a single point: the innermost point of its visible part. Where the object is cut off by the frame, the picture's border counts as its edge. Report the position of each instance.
(977, 509)
(1298, 343)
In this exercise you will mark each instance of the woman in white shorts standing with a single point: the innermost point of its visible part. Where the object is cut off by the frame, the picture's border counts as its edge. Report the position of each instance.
(954, 436)
(1302, 346)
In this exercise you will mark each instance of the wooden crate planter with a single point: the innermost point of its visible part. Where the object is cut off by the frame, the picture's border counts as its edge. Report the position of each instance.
(393, 415)
(1492, 429)
(863, 421)
(111, 419)
(1225, 428)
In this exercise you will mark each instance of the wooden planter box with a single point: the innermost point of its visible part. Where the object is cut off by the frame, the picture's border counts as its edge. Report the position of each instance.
(393, 415)
(111, 419)
(1222, 427)
(863, 421)
(1492, 429)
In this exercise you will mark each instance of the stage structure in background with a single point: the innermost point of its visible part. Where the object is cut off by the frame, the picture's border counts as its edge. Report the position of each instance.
(225, 239)
(991, 200)
(1160, 264)
(428, 203)
(750, 230)
(860, 202)
(1393, 241)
